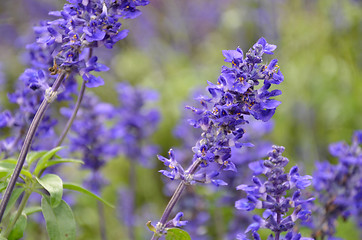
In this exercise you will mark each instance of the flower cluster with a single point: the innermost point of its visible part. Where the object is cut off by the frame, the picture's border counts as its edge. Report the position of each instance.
(81, 26)
(337, 196)
(65, 43)
(195, 205)
(271, 196)
(18, 122)
(92, 137)
(222, 116)
(136, 123)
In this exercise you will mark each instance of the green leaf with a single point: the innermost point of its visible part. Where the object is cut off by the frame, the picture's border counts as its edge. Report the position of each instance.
(9, 166)
(32, 156)
(60, 220)
(54, 185)
(78, 188)
(10, 160)
(63, 160)
(44, 159)
(177, 234)
(31, 210)
(18, 230)
(3, 185)
(14, 196)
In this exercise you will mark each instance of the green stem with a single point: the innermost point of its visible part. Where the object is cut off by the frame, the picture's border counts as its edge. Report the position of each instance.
(102, 221)
(18, 213)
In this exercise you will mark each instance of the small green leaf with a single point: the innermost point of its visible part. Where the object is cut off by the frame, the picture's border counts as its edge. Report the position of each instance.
(4, 173)
(177, 234)
(18, 230)
(14, 196)
(60, 220)
(78, 188)
(44, 159)
(9, 166)
(32, 156)
(54, 185)
(10, 160)
(31, 210)
(3, 185)
(63, 160)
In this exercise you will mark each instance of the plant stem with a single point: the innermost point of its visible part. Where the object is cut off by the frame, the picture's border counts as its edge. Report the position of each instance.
(18, 213)
(74, 114)
(76, 108)
(175, 197)
(102, 222)
(132, 183)
(27, 143)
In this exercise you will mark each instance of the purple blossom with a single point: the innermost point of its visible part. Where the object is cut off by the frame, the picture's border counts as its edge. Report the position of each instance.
(18, 121)
(221, 117)
(270, 194)
(177, 170)
(92, 138)
(81, 25)
(337, 197)
(198, 216)
(136, 122)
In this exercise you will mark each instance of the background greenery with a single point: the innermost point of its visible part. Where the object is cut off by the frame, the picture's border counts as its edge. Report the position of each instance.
(175, 46)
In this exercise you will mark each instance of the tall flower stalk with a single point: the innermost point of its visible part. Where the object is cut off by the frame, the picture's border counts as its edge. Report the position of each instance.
(222, 118)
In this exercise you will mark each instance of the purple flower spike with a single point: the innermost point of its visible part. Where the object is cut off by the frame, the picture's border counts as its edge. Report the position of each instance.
(270, 195)
(337, 197)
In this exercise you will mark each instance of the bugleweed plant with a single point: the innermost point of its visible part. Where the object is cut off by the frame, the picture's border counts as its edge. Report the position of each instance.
(223, 161)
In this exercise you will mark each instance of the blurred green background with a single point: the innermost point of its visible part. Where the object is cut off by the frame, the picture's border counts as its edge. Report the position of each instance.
(175, 46)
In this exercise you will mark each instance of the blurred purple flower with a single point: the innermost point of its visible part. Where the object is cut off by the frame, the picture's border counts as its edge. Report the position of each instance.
(337, 197)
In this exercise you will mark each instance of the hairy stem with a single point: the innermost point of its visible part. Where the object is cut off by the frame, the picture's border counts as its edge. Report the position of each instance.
(175, 197)
(27, 143)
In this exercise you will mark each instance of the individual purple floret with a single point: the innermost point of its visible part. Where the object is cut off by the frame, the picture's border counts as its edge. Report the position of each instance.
(237, 94)
(270, 194)
(337, 196)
